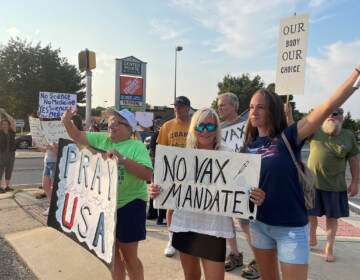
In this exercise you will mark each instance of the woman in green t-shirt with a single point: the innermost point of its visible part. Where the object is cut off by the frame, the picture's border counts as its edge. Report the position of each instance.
(134, 169)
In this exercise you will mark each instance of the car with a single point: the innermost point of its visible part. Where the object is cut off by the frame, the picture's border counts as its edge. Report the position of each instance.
(23, 141)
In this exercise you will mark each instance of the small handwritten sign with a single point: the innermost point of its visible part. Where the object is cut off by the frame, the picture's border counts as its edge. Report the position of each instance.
(208, 181)
(54, 130)
(37, 133)
(145, 119)
(291, 62)
(234, 136)
(52, 105)
(84, 199)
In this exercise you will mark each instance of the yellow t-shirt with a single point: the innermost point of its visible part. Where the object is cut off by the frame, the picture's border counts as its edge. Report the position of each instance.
(172, 133)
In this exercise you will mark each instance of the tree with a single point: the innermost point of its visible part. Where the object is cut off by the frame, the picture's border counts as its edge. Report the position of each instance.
(349, 123)
(242, 86)
(25, 70)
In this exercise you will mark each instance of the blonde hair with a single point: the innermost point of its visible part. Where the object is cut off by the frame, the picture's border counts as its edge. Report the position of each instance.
(199, 116)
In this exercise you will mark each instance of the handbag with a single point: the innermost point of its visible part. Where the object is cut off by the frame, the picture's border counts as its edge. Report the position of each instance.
(306, 177)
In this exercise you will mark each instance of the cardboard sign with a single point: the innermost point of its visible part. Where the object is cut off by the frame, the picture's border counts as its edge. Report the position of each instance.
(145, 119)
(52, 105)
(131, 88)
(84, 199)
(54, 130)
(207, 181)
(234, 135)
(292, 48)
(37, 133)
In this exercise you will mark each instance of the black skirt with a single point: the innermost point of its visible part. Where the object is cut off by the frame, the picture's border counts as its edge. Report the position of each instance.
(200, 245)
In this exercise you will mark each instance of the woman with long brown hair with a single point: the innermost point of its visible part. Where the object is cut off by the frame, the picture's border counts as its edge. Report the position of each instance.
(281, 230)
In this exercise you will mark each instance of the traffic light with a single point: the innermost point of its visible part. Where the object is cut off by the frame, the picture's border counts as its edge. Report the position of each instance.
(87, 60)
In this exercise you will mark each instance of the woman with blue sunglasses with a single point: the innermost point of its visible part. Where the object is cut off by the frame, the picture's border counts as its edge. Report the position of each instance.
(200, 236)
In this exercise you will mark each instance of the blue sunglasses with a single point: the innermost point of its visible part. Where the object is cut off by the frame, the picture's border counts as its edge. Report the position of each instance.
(211, 127)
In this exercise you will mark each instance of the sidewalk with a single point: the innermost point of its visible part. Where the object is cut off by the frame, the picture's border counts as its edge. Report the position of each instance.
(51, 255)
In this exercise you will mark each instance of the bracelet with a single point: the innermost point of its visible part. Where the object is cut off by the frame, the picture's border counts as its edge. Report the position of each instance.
(357, 70)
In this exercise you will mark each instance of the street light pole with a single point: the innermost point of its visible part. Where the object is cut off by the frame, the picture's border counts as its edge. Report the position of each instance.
(177, 49)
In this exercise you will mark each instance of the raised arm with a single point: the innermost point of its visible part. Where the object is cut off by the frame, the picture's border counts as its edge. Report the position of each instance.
(75, 134)
(309, 124)
(10, 119)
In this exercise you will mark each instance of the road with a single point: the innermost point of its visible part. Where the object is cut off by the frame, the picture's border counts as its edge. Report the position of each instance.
(27, 171)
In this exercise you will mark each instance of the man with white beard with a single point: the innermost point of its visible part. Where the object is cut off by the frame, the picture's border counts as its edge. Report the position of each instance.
(330, 148)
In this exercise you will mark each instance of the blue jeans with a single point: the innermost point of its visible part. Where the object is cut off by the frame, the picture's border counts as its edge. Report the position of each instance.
(292, 243)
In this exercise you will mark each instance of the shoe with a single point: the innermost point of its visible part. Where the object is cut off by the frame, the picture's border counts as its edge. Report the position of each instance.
(8, 189)
(251, 271)
(169, 250)
(161, 222)
(233, 261)
(46, 212)
(40, 195)
(152, 215)
(2, 190)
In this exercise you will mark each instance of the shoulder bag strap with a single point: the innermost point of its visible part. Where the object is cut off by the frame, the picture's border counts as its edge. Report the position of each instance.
(290, 150)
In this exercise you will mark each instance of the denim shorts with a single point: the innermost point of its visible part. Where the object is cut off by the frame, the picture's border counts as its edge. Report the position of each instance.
(292, 243)
(49, 169)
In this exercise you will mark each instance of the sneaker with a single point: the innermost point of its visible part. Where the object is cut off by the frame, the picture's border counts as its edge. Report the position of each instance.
(251, 271)
(233, 261)
(8, 189)
(161, 222)
(46, 212)
(169, 250)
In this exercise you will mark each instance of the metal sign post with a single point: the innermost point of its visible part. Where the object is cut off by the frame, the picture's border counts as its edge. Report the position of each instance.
(88, 98)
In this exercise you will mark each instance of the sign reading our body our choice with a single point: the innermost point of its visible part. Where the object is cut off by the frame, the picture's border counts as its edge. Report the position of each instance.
(84, 199)
(291, 61)
(207, 181)
(52, 105)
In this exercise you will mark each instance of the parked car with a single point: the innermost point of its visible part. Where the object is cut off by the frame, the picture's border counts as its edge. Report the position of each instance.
(23, 141)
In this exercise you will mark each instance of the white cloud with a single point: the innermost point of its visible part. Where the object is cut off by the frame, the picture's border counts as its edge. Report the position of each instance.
(316, 3)
(13, 32)
(326, 74)
(166, 29)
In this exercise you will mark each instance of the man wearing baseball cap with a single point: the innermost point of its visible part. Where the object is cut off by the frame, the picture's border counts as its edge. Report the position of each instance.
(174, 133)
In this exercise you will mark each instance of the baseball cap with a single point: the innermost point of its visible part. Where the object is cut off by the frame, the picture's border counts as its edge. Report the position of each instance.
(126, 114)
(182, 100)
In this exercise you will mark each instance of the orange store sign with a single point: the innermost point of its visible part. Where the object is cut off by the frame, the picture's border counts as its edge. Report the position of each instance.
(131, 86)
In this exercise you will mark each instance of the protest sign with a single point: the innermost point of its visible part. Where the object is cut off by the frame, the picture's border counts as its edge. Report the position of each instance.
(52, 105)
(145, 119)
(234, 135)
(37, 133)
(84, 199)
(291, 61)
(207, 181)
(54, 130)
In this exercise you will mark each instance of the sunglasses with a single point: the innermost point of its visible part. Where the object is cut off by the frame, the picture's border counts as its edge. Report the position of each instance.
(336, 114)
(210, 127)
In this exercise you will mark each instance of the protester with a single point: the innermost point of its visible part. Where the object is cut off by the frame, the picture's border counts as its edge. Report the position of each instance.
(94, 127)
(330, 148)
(228, 104)
(173, 133)
(281, 229)
(50, 159)
(134, 169)
(202, 236)
(7, 149)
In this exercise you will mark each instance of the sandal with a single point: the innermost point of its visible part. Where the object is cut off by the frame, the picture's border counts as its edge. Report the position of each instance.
(233, 261)
(251, 271)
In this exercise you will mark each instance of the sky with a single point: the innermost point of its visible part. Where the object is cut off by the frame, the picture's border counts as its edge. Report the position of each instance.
(218, 37)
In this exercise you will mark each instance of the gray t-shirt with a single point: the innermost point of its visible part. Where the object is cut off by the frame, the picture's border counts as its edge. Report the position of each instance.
(50, 156)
